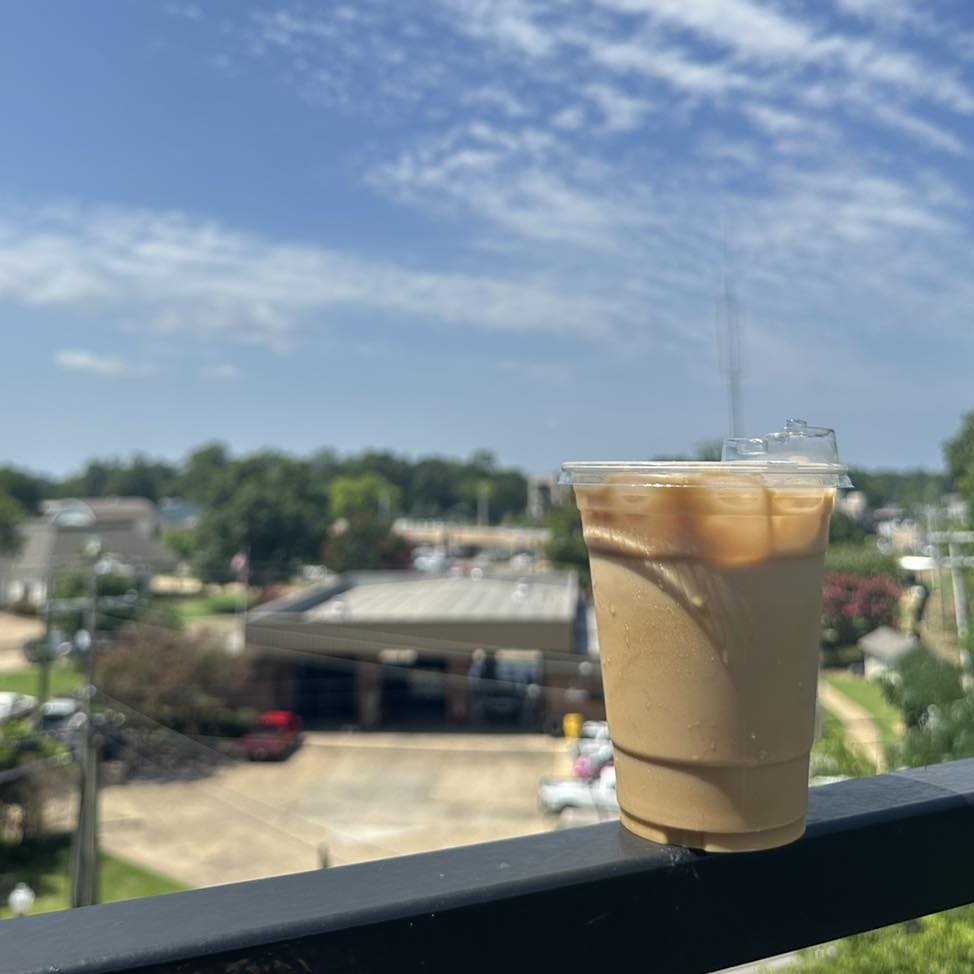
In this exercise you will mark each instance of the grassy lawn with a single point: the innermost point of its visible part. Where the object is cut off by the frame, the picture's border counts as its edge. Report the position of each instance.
(205, 605)
(64, 679)
(869, 696)
(43, 865)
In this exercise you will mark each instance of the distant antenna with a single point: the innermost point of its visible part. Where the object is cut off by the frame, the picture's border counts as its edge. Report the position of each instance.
(729, 346)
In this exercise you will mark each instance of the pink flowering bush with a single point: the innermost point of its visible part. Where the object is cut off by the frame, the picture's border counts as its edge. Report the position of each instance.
(853, 605)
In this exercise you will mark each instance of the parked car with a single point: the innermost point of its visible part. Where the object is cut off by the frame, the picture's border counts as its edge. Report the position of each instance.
(16, 706)
(557, 794)
(277, 734)
(589, 763)
(56, 717)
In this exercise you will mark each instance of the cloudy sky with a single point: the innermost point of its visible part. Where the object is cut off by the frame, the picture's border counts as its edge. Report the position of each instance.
(438, 225)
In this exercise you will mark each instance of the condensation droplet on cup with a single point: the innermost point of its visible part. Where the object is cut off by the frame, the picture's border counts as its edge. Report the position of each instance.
(612, 609)
(762, 755)
(754, 736)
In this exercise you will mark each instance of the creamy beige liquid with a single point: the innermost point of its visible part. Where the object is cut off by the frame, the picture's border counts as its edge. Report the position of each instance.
(708, 599)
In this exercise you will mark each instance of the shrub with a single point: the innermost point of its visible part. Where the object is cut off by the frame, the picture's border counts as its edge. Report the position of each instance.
(186, 684)
(853, 605)
(920, 681)
(23, 797)
(945, 734)
(865, 560)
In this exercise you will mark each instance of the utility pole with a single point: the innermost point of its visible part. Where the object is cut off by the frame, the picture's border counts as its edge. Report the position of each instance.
(932, 527)
(483, 501)
(729, 358)
(84, 849)
(44, 682)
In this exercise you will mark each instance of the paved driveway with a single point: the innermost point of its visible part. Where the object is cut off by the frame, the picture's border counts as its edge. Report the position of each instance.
(14, 632)
(357, 796)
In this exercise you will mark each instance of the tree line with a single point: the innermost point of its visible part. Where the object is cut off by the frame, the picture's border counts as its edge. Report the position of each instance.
(282, 509)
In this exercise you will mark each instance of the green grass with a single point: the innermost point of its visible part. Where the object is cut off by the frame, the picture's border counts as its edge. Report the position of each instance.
(869, 696)
(198, 607)
(830, 723)
(44, 866)
(64, 680)
(831, 754)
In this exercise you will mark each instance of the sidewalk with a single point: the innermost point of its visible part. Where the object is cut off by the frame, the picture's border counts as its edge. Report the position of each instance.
(14, 632)
(861, 730)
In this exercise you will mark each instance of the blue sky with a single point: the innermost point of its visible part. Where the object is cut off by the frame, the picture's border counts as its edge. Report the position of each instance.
(438, 225)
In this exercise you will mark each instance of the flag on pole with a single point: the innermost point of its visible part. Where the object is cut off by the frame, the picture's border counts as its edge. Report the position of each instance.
(240, 564)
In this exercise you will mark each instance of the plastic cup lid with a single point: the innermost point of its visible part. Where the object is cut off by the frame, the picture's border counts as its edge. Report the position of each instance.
(798, 455)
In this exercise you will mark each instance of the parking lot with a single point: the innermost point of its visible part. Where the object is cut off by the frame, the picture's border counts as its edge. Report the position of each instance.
(344, 796)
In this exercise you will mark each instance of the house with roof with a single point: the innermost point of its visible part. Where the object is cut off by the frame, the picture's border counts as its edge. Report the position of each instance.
(127, 527)
(882, 649)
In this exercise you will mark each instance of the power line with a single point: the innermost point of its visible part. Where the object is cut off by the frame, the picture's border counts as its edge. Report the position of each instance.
(247, 798)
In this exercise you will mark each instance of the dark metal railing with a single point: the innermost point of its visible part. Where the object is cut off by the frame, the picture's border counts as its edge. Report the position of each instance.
(877, 851)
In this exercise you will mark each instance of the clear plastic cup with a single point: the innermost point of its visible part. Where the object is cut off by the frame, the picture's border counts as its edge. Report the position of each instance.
(707, 582)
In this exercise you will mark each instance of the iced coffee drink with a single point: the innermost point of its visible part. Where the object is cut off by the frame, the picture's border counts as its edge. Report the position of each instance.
(707, 581)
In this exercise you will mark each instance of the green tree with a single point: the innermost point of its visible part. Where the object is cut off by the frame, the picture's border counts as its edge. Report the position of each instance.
(959, 454)
(903, 488)
(11, 515)
(27, 489)
(267, 504)
(366, 542)
(23, 796)
(435, 487)
(186, 684)
(367, 493)
(566, 547)
(473, 489)
(919, 681)
(845, 530)
(865, 560)
(135, 477)
(183, 543)
(204, 473)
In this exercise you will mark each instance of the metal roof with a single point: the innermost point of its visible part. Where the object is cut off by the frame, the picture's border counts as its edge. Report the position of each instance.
(45, 547)
(409, 596)
(106, 508)
(886, 644)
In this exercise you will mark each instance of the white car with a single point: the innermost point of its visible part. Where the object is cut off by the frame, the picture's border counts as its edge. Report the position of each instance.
(14, 706)
(555, 795)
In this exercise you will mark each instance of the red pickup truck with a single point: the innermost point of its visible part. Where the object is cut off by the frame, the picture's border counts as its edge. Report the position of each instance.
(277, 734)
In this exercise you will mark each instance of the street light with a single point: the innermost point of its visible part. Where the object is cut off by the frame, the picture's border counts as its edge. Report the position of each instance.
(21, 899)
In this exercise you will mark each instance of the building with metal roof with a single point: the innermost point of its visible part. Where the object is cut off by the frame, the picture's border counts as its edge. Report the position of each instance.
(379, 647)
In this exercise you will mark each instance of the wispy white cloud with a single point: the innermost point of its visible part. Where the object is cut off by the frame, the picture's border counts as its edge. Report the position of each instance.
(503, 120)
(920, 129)
(205, 280)
(94, 363)
(222, 372)
(188, 11)
(751, 30)
(621, 112)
